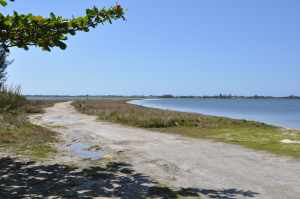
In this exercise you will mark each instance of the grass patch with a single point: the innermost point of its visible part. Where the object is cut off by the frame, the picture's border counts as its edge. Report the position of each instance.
(37, 106)
(17, 134)
(250, 134)
(54, 126)
(11, 99)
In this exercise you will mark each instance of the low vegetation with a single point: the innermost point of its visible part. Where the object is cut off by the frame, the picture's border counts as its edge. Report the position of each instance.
(11, 100)
(250, 134)
(17, 134)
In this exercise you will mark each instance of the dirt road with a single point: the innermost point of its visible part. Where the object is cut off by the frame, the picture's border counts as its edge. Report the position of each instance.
(219, 170)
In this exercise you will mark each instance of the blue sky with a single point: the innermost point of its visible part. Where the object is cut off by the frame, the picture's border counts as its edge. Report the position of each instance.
(191, 47)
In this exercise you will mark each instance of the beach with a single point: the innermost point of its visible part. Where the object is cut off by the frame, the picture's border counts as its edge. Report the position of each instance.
(212, 169)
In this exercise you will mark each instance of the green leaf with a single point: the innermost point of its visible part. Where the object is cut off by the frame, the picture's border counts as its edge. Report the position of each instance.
(3, 2)
(61, 45)
(52, 15)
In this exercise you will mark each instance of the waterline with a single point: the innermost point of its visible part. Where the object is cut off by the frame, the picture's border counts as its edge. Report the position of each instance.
(279, 112)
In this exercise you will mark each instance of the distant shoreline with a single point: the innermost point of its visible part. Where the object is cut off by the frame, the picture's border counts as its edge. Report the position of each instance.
(91, 97)
(277, 123)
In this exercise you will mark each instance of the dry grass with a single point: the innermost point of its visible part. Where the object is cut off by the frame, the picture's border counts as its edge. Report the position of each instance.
(17, 134)
(133, 115)
(11, 99)
(250, 134)
(37, 106)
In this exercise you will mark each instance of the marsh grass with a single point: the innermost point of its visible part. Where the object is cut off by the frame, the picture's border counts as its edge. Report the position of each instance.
(17, 134)
(11, 99)
(250, 134)
(38, 106)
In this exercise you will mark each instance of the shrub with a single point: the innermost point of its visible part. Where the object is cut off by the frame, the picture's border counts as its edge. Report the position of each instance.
(11, 99)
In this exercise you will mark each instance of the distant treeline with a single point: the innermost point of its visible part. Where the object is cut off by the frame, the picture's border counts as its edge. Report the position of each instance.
(224, 96)
(220, 96)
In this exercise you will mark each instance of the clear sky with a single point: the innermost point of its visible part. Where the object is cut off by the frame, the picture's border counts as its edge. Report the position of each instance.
(190, 47)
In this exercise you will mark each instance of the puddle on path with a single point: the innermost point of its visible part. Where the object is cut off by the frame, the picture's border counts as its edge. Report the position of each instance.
(82, 150)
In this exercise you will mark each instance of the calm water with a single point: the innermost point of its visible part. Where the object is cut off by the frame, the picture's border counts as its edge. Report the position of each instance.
(280, 112)
(82, 151)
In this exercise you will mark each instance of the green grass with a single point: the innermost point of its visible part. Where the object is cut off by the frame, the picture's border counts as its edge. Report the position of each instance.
(249, 134)
(11, 99)
(17, 134)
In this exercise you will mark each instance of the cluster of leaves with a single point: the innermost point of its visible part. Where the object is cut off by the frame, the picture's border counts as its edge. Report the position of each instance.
(24, 30)
(4, 2)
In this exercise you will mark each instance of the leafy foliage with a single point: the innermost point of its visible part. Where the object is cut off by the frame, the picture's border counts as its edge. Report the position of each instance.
(24, 30)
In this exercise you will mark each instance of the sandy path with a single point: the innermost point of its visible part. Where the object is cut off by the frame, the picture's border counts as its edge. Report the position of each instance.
(217, 169)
